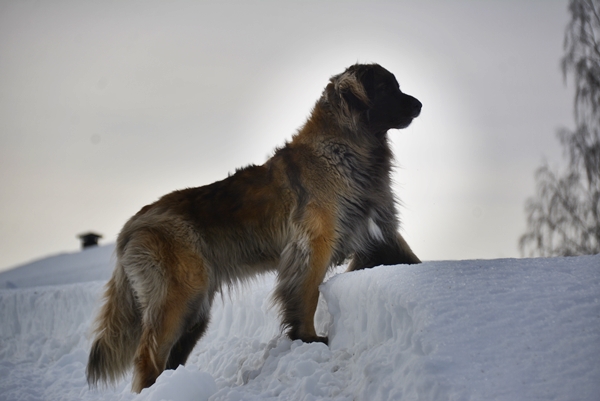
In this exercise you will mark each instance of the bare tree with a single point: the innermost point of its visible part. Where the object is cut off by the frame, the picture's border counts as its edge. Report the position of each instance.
(563, 218)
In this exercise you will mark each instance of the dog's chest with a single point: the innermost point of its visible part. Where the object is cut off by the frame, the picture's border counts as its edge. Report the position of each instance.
(355, 234)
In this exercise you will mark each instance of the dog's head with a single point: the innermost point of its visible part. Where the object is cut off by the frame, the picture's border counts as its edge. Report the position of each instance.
(369, 95)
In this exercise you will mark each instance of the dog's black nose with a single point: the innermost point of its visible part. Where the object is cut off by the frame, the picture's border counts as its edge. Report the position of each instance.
(416, 108)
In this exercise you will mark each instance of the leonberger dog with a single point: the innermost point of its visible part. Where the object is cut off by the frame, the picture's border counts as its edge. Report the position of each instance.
(321, 199)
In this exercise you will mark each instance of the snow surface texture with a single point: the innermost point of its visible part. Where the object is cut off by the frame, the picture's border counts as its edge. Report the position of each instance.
(464, 330)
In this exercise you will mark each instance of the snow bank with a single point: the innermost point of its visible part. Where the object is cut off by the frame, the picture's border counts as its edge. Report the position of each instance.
(482, 330)
(43, 343)
(91, 264)
(468, 330)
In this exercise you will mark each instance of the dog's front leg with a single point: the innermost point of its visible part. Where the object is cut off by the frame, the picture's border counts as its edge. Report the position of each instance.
(303, 265)
(390, 251)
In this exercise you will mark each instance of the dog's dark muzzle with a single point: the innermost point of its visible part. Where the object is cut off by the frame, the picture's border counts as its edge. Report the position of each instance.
(411, 109)
(415, 107)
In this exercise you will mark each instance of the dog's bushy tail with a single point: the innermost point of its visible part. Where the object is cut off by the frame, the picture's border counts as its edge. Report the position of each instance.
(117, 332)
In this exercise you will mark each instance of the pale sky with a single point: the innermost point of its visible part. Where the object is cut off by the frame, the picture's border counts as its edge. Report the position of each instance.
(106, 106)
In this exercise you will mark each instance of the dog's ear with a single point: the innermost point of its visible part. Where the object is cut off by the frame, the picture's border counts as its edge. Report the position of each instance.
(355, 102)
(351, 89)
(331, 93)
(366, 76)
(346, 91)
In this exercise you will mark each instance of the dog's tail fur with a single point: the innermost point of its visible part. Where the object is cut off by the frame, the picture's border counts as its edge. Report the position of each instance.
(117, 332)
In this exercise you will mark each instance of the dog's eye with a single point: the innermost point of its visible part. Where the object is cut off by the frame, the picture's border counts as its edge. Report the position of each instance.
(385, 88)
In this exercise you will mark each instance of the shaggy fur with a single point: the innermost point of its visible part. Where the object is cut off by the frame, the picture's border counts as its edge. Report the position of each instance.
(322, 198)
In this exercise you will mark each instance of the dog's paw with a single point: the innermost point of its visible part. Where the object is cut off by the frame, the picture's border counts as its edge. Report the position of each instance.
(316, 339)
(324, 340)
(308, 338)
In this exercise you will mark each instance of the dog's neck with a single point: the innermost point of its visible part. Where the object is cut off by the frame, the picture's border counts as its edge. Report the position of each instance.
(323, 125)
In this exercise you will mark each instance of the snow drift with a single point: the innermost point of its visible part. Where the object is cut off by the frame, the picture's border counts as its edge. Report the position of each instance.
(514, 329)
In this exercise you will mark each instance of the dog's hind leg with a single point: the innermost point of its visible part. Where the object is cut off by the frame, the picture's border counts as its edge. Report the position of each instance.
(166, 292)
(162, 329)
(159, 334)
(196, 326)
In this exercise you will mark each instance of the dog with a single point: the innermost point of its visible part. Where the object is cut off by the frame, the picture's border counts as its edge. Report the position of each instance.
(323, 198)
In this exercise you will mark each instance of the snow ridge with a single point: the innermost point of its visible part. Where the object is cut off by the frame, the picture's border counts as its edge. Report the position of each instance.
(462, 330)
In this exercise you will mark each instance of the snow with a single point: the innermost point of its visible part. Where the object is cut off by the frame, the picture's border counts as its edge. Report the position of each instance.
(510, 329)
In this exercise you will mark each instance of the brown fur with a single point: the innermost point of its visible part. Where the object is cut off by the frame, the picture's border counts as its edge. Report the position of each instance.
(323, 197)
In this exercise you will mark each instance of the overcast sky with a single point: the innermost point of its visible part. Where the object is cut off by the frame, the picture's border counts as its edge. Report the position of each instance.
(106, 106)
